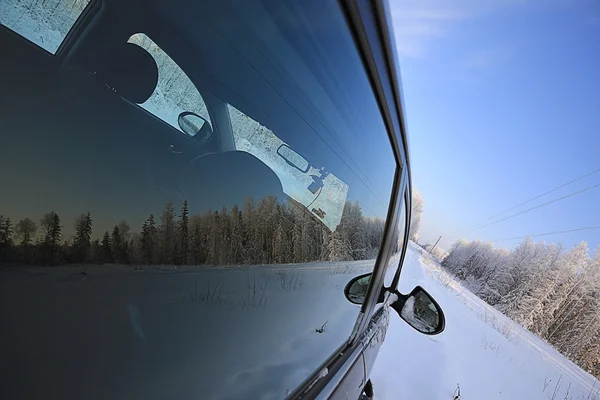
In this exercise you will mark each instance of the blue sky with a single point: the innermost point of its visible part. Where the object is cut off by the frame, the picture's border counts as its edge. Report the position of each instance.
(503, 104)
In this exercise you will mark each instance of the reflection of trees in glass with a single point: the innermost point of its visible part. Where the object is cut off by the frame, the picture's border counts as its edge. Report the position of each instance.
(119, 243)
(166, 234)
(149, 240)
(106, 255)
(6, 232)
(425, 310)
(358, 291)
(262, 232)
(46, 23)
(83, 236)
(25, 231)
(49, 248)
(183, 237)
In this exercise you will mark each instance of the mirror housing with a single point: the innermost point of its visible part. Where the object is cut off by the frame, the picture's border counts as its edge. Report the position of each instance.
(194, 126)
(421, 311)
(418, 308)
(293, 158)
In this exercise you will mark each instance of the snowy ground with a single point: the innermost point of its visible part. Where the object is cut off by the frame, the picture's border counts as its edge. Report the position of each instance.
(482, 350)
(113, 332)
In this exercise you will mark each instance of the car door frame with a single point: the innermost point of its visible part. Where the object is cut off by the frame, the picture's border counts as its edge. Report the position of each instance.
(343, 373)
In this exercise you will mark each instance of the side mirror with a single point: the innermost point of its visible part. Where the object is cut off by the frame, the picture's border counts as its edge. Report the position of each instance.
(292, 158)
(356, 289)
(418, 308)
(421, 311)
(194, 126)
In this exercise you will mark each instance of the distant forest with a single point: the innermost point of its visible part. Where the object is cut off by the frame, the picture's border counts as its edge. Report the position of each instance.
(263, 232)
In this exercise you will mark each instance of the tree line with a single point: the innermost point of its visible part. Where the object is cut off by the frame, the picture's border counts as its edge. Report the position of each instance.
(552, 292)
(263, 232)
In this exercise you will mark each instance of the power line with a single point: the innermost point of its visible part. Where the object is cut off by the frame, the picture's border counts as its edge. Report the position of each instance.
(461, 231)
(588, 228)
(532, 208)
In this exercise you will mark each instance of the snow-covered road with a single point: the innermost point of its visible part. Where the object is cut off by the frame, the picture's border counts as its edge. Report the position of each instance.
(483, 351)
(189, 332)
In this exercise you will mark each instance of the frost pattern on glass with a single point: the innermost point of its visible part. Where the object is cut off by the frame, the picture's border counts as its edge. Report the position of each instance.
(45, 23)
(252, 137)
(175, 92)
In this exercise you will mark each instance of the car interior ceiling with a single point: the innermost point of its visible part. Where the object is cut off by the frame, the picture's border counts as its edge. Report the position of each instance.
(68, 125)
(223, 55)
(199, 48)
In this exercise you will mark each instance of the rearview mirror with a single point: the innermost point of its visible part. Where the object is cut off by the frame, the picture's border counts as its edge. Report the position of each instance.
(356, 289)
(194, 125)
(292, 158)
(421, 312)
(418, 308)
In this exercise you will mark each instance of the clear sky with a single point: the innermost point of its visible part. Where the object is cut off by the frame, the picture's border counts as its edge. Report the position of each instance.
(503, 104)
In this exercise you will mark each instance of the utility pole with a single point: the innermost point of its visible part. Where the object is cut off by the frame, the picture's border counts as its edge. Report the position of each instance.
(435, 244)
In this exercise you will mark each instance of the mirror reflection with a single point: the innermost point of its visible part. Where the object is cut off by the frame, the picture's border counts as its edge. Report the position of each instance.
(356, 291)
(421, 312)
(192, 124)
(292, 158)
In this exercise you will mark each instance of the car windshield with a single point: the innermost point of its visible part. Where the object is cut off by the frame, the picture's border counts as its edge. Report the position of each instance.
(187, 189)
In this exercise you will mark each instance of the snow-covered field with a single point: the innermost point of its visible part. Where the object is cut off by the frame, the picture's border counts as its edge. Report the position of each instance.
(483, 351)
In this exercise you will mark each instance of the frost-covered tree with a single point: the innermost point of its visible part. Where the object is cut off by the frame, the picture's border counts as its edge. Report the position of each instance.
(51, 229)
(198, 232)
(214, 239)
(25, 231)
(49, 251)
(299, 247)
(269, 231)
(106, 254)
(167, 235)
(574, 317)
(83, 236)
(6, 232)
(95, 251)
(6, 242)
(125, 230)
(336, 247)
(353, 228)
(149, 240)
(552, 292)
(236, 243)
(520, 272)
(183, 235)
(119, 246)
(482, 266)
(135, 251)
(252, 238)
(281, 245)
(557, 282)
(415, 214)
(225, 237)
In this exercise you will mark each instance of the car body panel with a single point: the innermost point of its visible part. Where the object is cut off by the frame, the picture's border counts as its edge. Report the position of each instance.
(370, 22)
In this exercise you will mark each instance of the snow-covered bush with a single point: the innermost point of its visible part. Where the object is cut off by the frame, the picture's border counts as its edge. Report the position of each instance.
(550, 291)
(415, 215)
